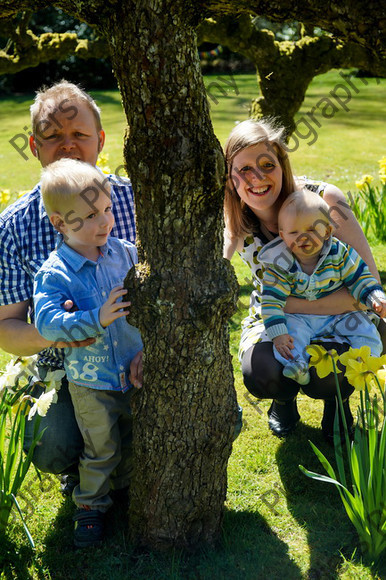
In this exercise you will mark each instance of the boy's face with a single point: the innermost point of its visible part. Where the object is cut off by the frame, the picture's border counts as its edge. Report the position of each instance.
(304, 233)
(67, 131)
(87, 224)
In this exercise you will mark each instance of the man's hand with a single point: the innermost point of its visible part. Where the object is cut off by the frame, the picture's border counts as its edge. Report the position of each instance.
(284, 344)
(69, 306)
(73, 344)
(111, 309)
(136, 370)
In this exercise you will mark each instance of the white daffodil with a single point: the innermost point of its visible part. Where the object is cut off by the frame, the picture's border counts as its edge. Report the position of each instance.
(18, 372)
(43, 403)
(53, 379)
(12, 373)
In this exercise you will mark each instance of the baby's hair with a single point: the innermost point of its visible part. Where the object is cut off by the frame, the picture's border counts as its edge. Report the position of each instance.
(56, 99)
(238, 216)
(63, 181)
(305, 201)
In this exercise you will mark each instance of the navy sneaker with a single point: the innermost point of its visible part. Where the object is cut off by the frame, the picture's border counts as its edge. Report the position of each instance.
(89, 527)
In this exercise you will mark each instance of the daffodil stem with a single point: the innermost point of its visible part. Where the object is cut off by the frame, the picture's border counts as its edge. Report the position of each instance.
(344, 422)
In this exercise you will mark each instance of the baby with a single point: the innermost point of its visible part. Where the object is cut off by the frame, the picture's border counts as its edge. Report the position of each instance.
(307, 262)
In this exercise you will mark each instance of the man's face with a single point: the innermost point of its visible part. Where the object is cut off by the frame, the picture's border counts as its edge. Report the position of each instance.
(67, 132)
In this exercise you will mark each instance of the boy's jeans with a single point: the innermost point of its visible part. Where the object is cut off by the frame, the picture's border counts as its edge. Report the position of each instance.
(105, 421)
(61, 445)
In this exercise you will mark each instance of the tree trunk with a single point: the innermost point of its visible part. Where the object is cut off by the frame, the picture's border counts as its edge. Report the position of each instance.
(183, 293)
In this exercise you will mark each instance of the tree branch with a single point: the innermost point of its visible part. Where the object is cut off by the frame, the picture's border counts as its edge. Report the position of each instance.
(30, 50)
(359, 21)
(285, 64)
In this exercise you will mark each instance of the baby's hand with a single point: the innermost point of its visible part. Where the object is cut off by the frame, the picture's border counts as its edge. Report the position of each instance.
(284, 344)
(111, 309)
(379, 306)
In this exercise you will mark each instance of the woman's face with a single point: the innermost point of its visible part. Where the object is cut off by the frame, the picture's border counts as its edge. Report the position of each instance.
(257, 176)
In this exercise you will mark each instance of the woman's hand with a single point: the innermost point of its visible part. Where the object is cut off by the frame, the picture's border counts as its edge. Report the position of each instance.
(338, 302)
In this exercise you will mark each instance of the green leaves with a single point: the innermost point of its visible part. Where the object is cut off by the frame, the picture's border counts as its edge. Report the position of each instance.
(362, 490)
(14, 463)
(369, 207)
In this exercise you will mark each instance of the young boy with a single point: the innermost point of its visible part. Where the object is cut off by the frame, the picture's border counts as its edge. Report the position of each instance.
(65, 122)
(307, 262)
(89, 268)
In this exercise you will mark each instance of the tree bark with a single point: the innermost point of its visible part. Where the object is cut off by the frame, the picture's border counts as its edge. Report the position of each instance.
(184, 292)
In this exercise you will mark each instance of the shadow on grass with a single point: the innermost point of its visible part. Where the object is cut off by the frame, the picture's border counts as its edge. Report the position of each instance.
(65, 562)
(317, 505)
(14, 560)
(246, 551)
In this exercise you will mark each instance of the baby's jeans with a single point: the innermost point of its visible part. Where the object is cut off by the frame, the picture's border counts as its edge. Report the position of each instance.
(355, 328)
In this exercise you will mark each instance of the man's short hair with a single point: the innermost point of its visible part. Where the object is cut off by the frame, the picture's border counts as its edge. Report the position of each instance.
(51, 99)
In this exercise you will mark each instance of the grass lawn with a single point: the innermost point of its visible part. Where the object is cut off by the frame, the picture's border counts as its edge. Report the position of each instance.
(278, 524)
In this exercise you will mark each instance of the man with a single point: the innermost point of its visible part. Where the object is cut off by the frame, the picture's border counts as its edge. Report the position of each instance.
(65, 123)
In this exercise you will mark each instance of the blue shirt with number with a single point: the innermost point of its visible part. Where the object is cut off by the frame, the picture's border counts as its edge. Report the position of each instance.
(66, 275)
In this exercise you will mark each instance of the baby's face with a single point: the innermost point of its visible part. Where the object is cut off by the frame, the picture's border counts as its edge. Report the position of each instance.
(304, 233)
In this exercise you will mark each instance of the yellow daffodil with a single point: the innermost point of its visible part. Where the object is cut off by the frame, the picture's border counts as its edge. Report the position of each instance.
(363, 354)
(102, 163)
(382, 163)
(358, 375)
(382, 177)
(322, 360)
(361, 367)
(362, 182)
(5, 196)
(381, 376)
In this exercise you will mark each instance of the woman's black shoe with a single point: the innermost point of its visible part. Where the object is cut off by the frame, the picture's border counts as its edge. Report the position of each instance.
(282, 417)
(328, 421)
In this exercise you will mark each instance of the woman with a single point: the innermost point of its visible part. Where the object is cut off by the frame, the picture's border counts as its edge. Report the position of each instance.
(259, 179)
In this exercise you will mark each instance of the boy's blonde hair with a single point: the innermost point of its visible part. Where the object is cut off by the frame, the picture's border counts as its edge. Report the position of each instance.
(304, 201)
(239, 217)
(55, 99)
(65, 180)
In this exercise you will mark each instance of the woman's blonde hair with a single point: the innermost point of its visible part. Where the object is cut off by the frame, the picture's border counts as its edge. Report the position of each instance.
(239, 218)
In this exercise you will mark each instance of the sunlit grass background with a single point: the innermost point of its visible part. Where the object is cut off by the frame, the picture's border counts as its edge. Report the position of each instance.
(278, 524)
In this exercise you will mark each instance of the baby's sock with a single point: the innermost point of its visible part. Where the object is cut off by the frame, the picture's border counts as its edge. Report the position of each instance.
(297, 372)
